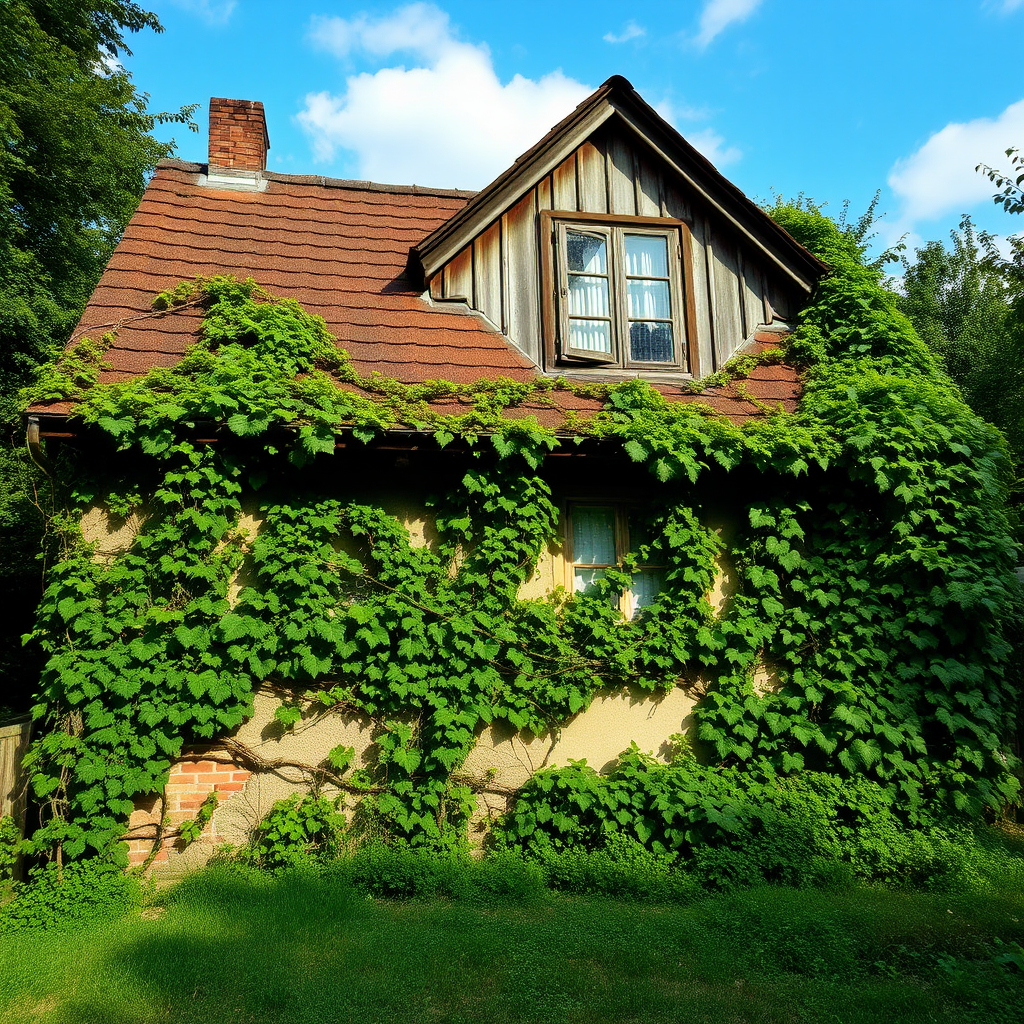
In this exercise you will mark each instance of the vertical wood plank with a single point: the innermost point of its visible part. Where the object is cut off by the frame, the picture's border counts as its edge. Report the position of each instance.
(563, 183)
(676, 204)
(726, 296)
(700, 298)
(753, 293)
(14, 740)
(742, 299)
(523, 276)
(620, 169)
(689, 317)
(437, 285)
(503, 236)
(593, 181)
(784, 303)
(458, 276)
(648, 189)
(487, 274)
(544, 192)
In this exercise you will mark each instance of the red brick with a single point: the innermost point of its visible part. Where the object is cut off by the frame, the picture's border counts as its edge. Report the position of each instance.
(191, 802)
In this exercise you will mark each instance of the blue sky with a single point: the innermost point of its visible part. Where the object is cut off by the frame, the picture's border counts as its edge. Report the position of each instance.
(830, 98)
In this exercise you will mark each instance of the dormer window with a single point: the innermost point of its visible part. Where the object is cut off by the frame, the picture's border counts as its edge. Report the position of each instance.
(616, 293)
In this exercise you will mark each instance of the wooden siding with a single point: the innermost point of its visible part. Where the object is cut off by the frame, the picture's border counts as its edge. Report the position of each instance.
(13, 744)
(734, 289)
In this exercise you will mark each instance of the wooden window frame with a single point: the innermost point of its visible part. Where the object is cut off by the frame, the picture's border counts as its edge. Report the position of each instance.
(622, 511)
(554, 311)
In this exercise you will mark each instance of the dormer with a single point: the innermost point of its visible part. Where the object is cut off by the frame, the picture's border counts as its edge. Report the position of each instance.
(612, 248)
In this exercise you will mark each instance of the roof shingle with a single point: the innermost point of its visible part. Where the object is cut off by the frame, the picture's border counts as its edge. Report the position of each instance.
(339, 249)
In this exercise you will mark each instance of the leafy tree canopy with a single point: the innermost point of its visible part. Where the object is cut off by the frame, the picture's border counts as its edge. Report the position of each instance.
(75, 153)
(966, 302)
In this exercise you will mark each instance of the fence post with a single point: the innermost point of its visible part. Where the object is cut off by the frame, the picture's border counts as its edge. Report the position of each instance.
(14, 740)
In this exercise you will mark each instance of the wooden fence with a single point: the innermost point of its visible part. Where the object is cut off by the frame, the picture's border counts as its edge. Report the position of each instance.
(14, 739)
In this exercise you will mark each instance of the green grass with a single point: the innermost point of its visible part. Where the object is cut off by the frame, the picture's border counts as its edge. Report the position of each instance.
(237, 946)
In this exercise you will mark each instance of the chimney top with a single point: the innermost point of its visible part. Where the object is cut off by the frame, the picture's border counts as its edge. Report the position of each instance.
(238, 136)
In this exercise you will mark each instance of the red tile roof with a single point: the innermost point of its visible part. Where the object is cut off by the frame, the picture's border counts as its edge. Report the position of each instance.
(340, 249)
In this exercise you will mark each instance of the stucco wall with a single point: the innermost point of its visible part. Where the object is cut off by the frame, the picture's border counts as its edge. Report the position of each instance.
(500, 763)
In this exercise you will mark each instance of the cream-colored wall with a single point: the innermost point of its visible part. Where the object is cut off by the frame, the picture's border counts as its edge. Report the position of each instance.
(501, 761)
(111, 535)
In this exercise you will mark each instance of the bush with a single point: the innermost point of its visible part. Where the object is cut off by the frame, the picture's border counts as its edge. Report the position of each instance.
(296, 831)
(83, 890)
(401, 872)
(10, 847)
(622, 869)
(730, 827)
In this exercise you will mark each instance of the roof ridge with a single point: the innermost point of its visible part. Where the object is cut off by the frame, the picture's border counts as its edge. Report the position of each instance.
(320, 179)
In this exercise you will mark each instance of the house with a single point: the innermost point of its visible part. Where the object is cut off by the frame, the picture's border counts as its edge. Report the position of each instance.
(611, 250)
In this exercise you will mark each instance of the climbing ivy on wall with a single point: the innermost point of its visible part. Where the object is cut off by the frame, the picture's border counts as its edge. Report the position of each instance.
(872, 558)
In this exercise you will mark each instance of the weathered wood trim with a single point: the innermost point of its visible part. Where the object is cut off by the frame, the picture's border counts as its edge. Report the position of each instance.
(615, 218)
(548, 283)
(806, 283)
(690, 304)
(709, 263)
(449, 238)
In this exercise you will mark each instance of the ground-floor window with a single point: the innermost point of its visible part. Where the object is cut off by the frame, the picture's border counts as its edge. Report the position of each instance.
(599, 537)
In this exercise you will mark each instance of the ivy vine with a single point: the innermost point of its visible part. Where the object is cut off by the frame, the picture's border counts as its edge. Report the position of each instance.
(873, 559)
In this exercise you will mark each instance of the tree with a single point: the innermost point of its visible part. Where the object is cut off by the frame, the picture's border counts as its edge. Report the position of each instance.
(75, 154)
(1010, 183)
(964, 302)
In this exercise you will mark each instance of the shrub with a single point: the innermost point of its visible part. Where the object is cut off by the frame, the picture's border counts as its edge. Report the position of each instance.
(400, 872)
(10, 846)
(83, 890)
(296, 831)
(729, 827)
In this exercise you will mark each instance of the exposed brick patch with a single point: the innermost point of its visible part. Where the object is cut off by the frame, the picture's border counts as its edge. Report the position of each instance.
(191, 781)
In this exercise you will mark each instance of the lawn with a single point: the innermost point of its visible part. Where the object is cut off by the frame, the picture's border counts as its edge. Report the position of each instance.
(227, 946)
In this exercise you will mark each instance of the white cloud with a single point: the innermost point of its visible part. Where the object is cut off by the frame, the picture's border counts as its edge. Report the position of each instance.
(940, 178)
(631, 31)
(675, 114)
(213, 12)
(417, 28)
(720, 14)
(449, 122)
(1009, 6)
(712, 145)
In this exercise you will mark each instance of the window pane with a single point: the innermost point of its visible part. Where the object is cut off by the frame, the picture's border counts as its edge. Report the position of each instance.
(588, 254)
(647, 255)
(648, 300)
(591, 335)
(588, 296)
(650, 343)
(583, 580)
(639, 533)
(583, 583)
(593, 535)
(645, 587)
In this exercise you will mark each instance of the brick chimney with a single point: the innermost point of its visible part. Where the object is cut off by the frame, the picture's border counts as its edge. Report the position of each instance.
(238, 136)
